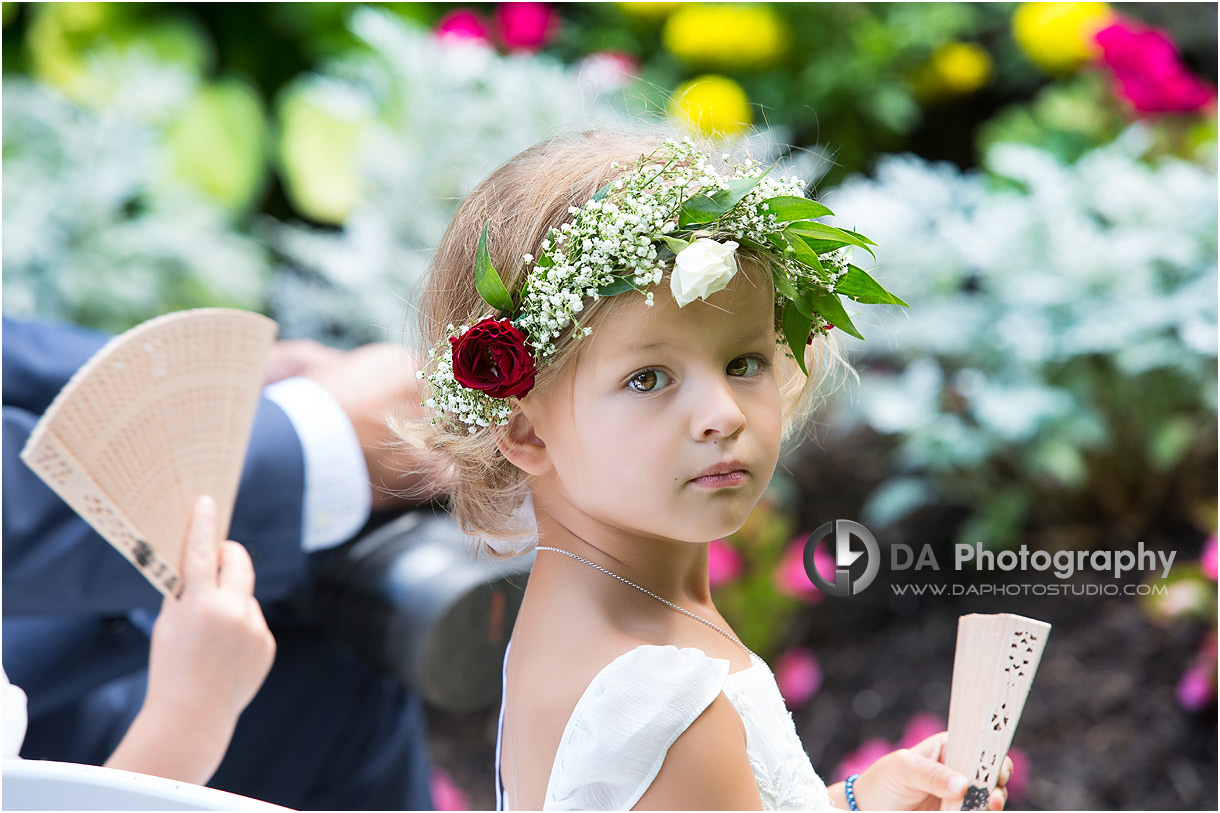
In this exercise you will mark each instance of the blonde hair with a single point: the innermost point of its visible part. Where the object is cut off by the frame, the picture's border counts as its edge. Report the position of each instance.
(520, 202)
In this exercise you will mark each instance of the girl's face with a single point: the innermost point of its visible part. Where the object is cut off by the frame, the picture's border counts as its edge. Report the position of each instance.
(659, 395)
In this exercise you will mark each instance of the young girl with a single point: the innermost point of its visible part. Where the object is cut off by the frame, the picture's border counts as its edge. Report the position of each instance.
(622, 329)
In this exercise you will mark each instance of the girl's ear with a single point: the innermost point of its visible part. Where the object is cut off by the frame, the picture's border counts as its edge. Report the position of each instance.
(521, 446)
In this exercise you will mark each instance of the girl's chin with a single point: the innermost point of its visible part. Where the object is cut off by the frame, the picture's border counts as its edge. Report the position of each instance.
(706, 532)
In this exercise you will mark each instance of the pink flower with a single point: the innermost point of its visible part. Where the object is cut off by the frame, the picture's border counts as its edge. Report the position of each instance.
(462, 24)
(526, 26)
(446, 795)
(919, 728)
(1207, 560)
(723, 563)
(1128, 49)
(1148, 70)
(791, 579)
(858, 760)
(606, 70)
(1197, 686)
(799, 676)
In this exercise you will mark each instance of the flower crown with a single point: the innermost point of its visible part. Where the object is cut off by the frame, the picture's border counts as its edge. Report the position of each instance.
(668, 206)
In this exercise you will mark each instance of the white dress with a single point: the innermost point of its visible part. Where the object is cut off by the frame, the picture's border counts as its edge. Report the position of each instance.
(637, 706)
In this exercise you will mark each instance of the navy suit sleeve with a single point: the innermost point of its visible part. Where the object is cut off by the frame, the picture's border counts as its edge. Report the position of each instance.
(40, 357)
(55, 564)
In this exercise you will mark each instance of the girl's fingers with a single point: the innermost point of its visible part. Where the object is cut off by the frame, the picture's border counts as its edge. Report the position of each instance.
(199, 553)
(236, 569)
(999, 796)
(935, 778)
(932, 747)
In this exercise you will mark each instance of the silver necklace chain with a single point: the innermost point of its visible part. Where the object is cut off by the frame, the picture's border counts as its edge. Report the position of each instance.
(649, 592)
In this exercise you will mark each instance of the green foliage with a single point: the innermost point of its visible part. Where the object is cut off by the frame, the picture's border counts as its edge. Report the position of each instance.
(843, 78)
(705, 209)
(487, 281)
(99, 229)
(321, 138)
(218, 144)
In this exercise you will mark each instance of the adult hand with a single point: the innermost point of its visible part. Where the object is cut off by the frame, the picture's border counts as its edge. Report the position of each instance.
(210, 652)
(372, 383)
(916, 778)
(295, 356)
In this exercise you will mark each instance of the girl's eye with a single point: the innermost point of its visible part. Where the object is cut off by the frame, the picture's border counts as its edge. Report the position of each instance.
(647, 381)
(745, 366)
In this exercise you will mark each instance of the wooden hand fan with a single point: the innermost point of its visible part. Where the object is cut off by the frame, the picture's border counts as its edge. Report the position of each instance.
(993, 669)
(159, 416)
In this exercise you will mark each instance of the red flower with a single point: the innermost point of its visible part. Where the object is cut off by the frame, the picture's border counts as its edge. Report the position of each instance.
(493, 357)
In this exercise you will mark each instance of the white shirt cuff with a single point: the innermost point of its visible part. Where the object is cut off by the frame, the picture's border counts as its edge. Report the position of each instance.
(337, 499)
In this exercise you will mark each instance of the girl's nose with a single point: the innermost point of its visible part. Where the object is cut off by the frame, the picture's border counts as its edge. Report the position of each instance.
(717, 412)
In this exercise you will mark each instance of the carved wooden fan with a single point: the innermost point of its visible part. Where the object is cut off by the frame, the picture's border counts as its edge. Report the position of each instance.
(993, 669)
(159, 416)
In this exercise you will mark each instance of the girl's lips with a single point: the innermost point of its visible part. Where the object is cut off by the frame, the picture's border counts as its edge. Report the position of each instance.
(729, 479)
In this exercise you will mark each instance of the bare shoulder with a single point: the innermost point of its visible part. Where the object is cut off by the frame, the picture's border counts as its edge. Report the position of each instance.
(707, 767)
(549, 670)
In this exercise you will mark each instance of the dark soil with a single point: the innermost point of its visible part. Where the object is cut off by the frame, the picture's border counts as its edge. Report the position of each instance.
(1101, 728)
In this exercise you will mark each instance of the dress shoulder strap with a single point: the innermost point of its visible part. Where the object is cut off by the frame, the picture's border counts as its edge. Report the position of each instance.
(501, 802)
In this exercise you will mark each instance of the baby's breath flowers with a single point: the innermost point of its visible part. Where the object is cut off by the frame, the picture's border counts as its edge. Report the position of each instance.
(668, 204)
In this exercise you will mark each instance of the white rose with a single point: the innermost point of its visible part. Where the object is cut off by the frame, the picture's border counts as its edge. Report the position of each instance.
(701, 269)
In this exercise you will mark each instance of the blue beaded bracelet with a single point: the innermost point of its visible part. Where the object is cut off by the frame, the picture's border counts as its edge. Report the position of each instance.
(851, 796)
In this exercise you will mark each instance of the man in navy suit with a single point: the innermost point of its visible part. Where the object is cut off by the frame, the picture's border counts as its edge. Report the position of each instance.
(325, 731)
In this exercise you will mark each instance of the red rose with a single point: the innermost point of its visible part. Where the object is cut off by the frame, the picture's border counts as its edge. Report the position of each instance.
(493, 357)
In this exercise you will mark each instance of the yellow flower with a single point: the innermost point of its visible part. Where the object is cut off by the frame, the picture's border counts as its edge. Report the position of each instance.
(957, 68)
(712, 105)
(725, 36)
(1059, 36)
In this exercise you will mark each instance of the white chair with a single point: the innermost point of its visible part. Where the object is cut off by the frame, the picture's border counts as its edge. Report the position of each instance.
(35, 784)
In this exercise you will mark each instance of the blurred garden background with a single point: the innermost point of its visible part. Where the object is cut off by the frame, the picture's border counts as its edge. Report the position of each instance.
(1040, 179)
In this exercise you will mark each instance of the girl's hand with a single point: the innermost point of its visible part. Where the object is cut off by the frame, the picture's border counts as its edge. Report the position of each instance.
(916, 778)
(210, 652)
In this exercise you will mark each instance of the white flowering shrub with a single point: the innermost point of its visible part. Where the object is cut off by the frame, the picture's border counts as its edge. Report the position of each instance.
(1058, 360)
(423, 121)
(97, 229)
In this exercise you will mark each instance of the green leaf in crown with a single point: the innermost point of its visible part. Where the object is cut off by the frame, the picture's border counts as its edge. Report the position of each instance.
(487, 281)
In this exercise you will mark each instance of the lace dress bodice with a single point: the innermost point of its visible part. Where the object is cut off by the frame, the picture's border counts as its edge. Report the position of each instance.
(621, 728)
